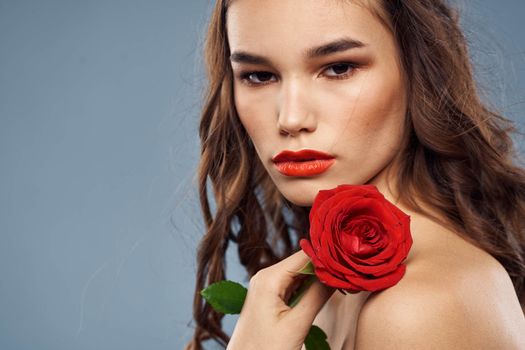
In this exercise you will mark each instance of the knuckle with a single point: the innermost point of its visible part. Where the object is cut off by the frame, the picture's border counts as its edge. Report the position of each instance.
(254, 281)
(263, 279)
(258, 278)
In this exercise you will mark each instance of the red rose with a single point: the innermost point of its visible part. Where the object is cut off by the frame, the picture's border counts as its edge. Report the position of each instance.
(358, 239)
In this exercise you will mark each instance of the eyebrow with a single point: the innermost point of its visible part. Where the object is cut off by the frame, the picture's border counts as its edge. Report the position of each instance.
(330, 48)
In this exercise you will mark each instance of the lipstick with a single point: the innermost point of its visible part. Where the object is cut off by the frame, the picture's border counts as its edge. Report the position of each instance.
(302, 163)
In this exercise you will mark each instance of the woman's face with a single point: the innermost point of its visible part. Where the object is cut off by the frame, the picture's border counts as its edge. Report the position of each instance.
(321, 75)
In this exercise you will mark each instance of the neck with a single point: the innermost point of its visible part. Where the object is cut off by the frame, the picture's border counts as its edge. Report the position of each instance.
(425, 230)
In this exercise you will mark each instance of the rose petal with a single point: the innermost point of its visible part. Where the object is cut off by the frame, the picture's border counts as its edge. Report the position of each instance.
(375, 284)
(358, 238)
(328, 279)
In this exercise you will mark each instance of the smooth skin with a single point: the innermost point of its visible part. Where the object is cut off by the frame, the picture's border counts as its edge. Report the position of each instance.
(323, 103)
(350, 101)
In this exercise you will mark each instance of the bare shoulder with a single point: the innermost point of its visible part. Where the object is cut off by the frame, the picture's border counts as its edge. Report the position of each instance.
(458, 297)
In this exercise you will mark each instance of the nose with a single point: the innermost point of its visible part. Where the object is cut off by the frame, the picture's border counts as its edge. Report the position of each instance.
(295, 114)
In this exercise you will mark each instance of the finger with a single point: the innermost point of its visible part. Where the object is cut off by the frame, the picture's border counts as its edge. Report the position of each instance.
(311, 302)
(285, 272)
(293, 263)
(281, 278)
(299, 282)
(278, 278)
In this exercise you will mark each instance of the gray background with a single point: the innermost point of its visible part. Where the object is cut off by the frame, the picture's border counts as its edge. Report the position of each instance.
(99, 219)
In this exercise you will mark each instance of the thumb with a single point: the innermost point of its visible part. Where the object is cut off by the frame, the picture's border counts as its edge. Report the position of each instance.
(311, 303)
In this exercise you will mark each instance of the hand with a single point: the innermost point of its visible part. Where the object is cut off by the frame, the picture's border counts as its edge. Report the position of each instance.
(266, 321)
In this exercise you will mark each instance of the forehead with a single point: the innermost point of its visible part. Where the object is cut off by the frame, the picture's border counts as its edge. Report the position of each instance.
(295, 24)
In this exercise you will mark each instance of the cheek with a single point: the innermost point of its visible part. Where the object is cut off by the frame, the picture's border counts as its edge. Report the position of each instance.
(374, 116)
(255, 114)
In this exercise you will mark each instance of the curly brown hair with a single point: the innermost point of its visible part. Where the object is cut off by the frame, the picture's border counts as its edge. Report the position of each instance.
(457, 151)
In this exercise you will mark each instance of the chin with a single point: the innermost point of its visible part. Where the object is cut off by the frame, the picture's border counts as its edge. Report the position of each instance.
(301, 201)
(300, 193)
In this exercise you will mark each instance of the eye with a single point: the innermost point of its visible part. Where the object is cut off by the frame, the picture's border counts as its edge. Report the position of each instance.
(340, 70)
(257, 78)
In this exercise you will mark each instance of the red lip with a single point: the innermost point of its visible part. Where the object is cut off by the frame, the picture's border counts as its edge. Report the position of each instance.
(302, 163)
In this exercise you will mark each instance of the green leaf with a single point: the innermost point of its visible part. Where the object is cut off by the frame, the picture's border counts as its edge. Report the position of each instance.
(316, 339)
(226, 297)
(307, 269)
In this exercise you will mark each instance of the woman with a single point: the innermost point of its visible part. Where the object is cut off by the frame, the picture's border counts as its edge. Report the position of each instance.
(384, 90)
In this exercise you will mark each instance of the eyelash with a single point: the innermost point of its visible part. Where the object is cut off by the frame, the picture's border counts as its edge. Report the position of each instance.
(245, 76)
